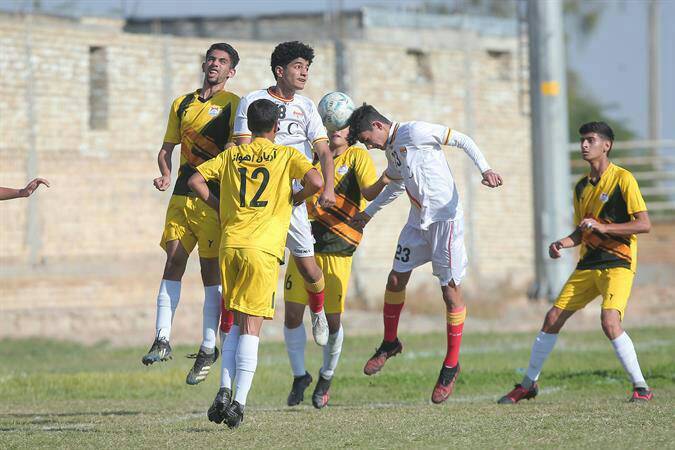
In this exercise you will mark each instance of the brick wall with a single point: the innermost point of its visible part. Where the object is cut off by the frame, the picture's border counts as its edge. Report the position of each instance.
(97, 228)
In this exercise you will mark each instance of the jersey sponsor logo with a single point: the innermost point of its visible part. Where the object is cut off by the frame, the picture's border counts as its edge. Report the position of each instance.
(210, 243)
(298, 113)
(342, 170)
(214, 111)
(604, 197)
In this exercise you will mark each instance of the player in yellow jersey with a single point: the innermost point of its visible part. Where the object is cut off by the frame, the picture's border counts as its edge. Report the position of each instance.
(609, 212)
(336, 240)
(202, 122)
(300, 127)
(256, 200)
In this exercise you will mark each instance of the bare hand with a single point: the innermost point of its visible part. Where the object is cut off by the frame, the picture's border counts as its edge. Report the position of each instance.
(327, 199)
(554, 249)
(492, 179)
(162, 183)
(360, 220)
(32, 186)
(385, 178)
(592, 224)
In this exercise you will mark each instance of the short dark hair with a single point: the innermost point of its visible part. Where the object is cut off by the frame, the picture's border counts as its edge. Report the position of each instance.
(362, 120)
(227, 48)
(286, 52)
(600, 128)
(262, 115)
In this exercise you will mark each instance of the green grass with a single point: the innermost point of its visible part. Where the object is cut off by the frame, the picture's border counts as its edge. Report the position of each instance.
(55, 394)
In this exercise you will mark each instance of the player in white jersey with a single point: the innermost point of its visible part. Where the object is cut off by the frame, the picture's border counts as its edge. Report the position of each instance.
(300, 126)
(434, 231)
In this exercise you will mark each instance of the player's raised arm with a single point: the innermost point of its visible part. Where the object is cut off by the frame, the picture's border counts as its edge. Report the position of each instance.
(163, 182)
(327, 198)
(456, 139)
(371, 192)
(10, 193)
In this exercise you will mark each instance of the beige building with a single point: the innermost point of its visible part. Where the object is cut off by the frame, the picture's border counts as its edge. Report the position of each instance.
(84, 104)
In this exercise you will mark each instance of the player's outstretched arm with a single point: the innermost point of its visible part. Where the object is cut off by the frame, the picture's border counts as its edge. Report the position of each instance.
(570, 241)
(311, 184)
(197, 183)
(490, 178)
(10, 193)
(163, 182)
(327, 198)
(371, 192)
(391, 191)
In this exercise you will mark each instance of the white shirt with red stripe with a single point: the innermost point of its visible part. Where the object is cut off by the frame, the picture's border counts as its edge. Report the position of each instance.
(417, 165)
(300, 125)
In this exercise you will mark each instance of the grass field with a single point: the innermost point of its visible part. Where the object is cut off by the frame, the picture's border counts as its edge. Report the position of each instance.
(56, 394)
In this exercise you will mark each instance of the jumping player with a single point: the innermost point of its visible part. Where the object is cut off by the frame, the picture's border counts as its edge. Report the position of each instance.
(609, 212)
(202, 122)
(435, 228)
(255, 212)
(336, 241)
(300, 127)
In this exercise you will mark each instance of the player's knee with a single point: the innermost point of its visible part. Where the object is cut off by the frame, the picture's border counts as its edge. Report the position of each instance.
(293, 315)
(611, 325)
(396, 282)
(553, 321)
(174, 267)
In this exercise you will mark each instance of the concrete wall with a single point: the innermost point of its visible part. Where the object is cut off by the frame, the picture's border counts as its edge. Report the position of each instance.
(90, 242)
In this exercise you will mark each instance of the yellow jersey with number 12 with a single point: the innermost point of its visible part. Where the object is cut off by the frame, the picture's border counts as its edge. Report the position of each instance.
(255, 193)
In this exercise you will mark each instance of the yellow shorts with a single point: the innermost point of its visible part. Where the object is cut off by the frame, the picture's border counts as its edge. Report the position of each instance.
(583, 286)
(191, 221)
(249, 279)
(336, 271)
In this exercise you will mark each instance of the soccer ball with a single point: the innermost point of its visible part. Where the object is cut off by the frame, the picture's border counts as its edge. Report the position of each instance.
(335, 109)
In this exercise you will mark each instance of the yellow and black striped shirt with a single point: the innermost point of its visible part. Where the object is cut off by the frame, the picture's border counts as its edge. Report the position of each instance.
(202, 127)
(613, 199)
(354, 169)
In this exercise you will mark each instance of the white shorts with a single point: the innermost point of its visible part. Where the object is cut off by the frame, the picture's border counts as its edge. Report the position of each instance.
(299, 240)
(442, 244)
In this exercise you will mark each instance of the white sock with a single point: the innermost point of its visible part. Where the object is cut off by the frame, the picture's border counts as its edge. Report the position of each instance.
(167, 302)
(625, 351)
(542, 347)
(247, 361)
(210, 316)
(296, 340)
(228, 364)
(331, 353)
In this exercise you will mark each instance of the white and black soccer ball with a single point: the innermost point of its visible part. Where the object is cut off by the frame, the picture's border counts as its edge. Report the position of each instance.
(335, 109)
